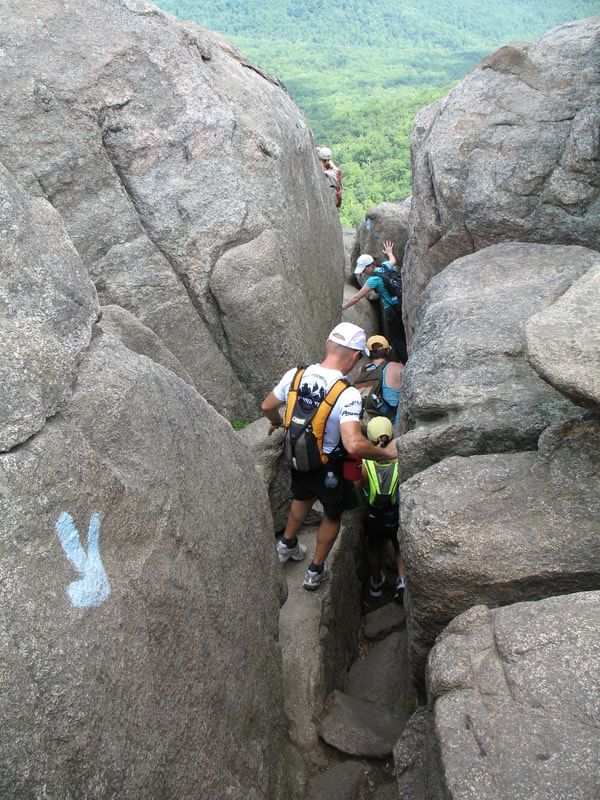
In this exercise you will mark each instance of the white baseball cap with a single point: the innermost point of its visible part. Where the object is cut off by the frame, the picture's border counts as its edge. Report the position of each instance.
(362, 262)
(348, 335)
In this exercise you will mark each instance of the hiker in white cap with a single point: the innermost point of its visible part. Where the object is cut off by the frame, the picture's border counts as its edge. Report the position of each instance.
(332, 172)
(322, 423)
(374, 271)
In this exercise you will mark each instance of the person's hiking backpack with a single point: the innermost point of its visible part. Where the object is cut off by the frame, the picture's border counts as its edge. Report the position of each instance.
(370, 386)
(392, 280)
(383, 482)
(382, 498)
(305, 430)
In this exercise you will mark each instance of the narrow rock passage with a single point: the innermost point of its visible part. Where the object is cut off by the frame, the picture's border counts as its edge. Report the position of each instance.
(341, 653)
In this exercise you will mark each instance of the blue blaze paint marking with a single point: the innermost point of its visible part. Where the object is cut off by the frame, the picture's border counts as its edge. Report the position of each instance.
(93, 588)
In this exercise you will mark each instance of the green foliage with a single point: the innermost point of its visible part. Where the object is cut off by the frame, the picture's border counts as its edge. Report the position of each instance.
(239, 424)
(361, 69)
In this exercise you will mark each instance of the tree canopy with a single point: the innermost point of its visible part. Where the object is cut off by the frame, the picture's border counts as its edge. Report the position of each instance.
(361, 69)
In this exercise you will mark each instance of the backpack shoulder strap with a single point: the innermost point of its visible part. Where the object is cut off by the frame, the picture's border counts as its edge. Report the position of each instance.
(292, 396)
(366, 372)
(384, 383)
(370, 383)
(319, 420)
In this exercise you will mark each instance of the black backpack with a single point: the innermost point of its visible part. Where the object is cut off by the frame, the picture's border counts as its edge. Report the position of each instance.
(370, 385)
(305, 429)
(392, 281)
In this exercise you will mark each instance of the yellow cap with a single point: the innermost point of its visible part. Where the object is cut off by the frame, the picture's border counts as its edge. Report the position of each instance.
(373, 341)
(379, 426)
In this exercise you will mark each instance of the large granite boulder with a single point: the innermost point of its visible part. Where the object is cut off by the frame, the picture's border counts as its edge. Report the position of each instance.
(496, 529)
(385, 221)
(187, 180)
(138, 648)
(510, 154)
(381, 677)
(344, 781)
(360, 728)
(267, 452)
(563, 341)
(45, 324)
(367, 315)
(515, 696)
(416, 763)
(123, 325)
(468, 387)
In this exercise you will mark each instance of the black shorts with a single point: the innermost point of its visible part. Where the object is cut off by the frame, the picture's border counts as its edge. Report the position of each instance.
(311, 486)
(382, 524)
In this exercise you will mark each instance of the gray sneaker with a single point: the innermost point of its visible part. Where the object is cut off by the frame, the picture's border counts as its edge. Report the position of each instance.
(399, 593)
(312, 580)
(295, 553)
(376, 586)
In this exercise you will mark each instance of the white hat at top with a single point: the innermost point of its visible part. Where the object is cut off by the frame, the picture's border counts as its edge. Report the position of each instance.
(362, 262)
(348, 335)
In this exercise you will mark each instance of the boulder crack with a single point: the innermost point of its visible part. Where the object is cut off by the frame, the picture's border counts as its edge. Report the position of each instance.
(477, 738)
(122, 178)
(219, 313)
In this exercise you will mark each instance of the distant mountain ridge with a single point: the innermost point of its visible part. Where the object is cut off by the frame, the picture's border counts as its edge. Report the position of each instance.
(361, 70)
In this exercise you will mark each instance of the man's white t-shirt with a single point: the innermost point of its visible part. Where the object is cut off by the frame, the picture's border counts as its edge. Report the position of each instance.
(315, 384)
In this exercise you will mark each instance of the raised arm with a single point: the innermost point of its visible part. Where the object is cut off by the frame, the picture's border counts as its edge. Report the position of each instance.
(388, 249)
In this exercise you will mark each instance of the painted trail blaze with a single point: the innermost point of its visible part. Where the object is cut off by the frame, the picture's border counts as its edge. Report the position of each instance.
(93, 588)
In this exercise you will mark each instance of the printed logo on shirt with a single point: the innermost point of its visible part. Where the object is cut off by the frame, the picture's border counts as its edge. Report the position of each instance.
(311, 395)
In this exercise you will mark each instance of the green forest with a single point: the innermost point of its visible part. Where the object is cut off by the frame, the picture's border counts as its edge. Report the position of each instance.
(361, 69)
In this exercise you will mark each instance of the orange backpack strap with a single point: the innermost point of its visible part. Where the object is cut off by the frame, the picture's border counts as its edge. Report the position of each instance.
(292, 396)
(319, 420)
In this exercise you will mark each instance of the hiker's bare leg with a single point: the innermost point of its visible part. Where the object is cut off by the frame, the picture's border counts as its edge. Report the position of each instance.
(326, 536)
(296, 518)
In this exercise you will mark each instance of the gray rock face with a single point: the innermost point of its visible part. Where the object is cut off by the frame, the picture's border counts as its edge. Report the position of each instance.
(348, 236)
(267, 452)
(416, 762)
(382, 676)
(496, 529)
(365, 313)
(515, 693)
(318, 632)
(385, 620)
(134, 664)
(134, 655)
(468, 387)
(47, 307)
(121, 324)
(510, 154)
(563, 341)
(385, 221)
(341, 782)
(386, 792)
(187, 180)
(360, 728)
